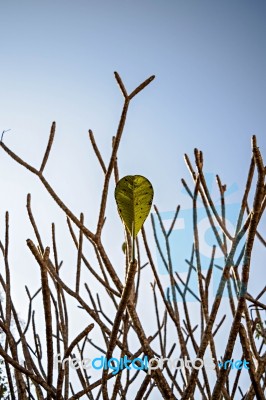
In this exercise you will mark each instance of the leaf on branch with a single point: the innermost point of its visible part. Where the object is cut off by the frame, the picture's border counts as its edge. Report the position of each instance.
(134, 195)
(124, 247)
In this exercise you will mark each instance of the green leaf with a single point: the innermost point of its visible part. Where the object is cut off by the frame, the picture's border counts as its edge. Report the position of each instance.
(134, 194)
(124, 247)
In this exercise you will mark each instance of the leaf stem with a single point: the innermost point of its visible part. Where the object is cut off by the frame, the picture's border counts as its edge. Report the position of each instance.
(133, 242)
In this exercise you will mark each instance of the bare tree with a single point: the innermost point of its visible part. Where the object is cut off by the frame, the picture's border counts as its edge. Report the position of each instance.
(38, 365)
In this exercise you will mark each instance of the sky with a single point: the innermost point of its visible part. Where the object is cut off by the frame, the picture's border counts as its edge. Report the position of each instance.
(57, 64)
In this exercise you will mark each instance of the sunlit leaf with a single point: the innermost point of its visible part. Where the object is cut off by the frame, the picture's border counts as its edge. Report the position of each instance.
(134, 194)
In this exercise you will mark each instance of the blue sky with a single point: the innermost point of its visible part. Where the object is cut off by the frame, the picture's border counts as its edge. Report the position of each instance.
(57, 60)
(57, 63)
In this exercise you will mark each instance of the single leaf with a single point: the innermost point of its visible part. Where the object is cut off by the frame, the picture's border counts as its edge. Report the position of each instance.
(134, 194)
(124, 247)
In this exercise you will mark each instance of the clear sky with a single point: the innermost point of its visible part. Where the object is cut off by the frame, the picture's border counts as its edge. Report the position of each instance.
(209, 58)
(57, 63)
